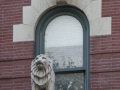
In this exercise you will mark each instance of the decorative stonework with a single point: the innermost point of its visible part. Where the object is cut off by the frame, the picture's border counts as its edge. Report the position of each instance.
(92, 8)
(42, 74)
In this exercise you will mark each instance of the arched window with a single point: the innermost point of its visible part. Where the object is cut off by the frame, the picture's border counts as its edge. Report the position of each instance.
(63, 34)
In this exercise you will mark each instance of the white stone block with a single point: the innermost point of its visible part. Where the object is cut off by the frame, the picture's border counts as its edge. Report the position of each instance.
(23, 33)
(93, 10)
(71, 2)
(30, 15)
(101, 26)
(40, 5)
(82, 3)
(51, 2)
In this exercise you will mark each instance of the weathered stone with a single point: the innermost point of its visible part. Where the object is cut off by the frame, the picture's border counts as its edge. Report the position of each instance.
(42, 74)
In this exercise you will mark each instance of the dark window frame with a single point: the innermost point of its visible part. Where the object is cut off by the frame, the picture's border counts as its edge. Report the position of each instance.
(43, 22)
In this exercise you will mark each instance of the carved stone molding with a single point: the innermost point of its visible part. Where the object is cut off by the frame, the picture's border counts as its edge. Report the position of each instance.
(42, 74)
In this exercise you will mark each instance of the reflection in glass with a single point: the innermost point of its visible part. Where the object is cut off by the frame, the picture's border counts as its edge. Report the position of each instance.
(64, 42)
(73, 81)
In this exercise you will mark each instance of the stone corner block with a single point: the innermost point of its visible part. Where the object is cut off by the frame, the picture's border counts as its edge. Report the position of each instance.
(101, 26)
(23, 32)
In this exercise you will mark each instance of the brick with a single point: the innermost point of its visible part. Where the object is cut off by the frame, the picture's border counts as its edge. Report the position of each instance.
(16, 57)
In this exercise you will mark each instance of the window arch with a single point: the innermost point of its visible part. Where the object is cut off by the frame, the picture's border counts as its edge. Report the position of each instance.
(74, 14)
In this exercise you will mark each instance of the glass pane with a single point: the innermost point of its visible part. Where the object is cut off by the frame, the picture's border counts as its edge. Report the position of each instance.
(69, 81)
(64, 42)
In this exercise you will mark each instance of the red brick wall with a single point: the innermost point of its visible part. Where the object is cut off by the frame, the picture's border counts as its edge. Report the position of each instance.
(105, 52)
(15, 58)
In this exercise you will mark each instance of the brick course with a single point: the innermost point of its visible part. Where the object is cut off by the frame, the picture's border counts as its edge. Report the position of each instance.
(15, 57)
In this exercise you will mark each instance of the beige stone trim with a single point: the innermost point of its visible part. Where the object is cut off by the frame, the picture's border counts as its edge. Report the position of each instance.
(92, 8)
(100, 26)
(23, 32)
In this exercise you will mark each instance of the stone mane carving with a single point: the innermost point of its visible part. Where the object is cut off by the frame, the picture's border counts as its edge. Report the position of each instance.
(42, 74)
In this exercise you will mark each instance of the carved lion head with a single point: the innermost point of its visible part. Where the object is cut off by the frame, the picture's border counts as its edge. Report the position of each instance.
(41, 69)
(42, 61)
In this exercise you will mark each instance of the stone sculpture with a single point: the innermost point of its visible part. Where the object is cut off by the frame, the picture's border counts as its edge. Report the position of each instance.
(42, 74)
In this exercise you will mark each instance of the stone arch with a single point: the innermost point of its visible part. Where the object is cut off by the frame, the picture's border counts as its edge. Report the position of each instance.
(92, 8)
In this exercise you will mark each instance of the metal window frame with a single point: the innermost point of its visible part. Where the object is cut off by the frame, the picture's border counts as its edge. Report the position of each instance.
(43, 22)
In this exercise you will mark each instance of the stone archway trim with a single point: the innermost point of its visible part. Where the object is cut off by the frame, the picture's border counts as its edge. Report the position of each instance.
(92, 8)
